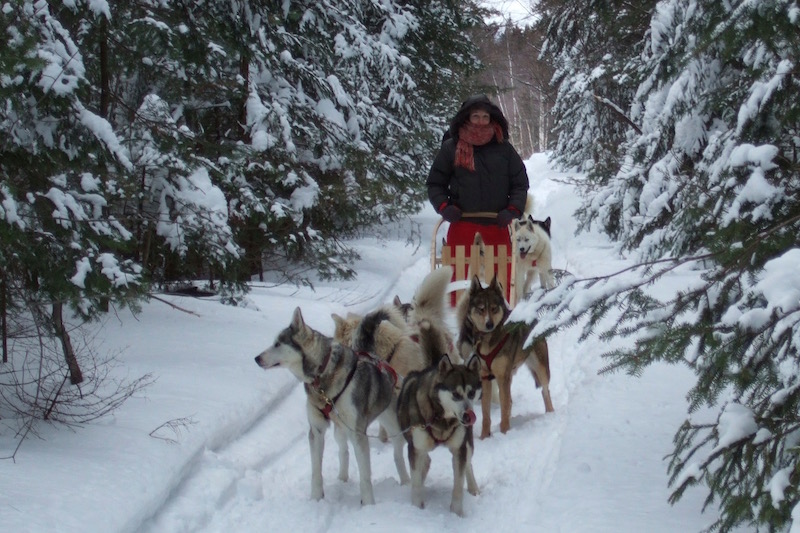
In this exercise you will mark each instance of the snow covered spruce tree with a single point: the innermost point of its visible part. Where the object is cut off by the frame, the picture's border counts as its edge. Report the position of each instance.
(590, 45)
(344, 108)
(147, 142)
(61, 165)
(707, 184)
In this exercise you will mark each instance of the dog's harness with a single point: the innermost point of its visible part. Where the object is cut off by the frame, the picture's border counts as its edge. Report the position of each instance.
(428, 427)
(383, 366)
(489, 358)
(439, 441)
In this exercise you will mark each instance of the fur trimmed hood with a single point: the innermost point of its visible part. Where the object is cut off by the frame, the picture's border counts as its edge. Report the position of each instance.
(480, 101)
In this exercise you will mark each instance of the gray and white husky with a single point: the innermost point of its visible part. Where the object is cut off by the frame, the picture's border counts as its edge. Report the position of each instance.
(435, 408)
(349, 389)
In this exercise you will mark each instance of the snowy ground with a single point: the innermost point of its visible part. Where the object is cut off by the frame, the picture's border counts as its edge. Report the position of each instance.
(241, 464)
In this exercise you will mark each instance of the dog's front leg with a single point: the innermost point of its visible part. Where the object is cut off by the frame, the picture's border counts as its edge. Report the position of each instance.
(361, 446)
(388, 419)
(459, 466)
(420, 462)
(472, 484)
(316, 441)
(519, 284)
(486, 408)
(504, 386)
(344, 456)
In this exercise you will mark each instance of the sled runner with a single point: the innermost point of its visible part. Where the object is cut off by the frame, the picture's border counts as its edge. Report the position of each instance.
(464, 259)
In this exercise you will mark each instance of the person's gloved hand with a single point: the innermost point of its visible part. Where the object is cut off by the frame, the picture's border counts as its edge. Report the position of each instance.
(505, 217)
(451, 213)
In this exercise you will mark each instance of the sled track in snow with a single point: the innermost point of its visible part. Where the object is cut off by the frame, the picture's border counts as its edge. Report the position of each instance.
(215, 476)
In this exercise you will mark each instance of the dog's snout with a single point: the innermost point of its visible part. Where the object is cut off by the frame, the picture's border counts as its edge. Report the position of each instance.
(469, 418)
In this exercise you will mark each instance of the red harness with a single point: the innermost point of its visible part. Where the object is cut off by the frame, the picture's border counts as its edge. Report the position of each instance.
(429, 427)
(489, 358)
(382, 365)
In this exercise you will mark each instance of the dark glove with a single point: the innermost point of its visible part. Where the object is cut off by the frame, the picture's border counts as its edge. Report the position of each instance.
(505, 217)
(451, 213)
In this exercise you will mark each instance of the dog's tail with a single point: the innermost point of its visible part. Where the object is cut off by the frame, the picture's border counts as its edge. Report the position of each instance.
(529, 203)
(429, 298)
(428, 315)
(366, 334)
(481, 273)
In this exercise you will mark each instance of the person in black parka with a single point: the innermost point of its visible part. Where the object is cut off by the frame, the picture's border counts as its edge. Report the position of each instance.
(478, 170)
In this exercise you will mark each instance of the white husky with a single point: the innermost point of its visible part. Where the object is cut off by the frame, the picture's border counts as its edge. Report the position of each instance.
(533, 253)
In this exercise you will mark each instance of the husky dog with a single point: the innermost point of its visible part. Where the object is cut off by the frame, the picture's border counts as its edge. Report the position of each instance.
(384, 333)
(533, 255)
(436, 407)
(341, 386)
(482, 314)
(425, 316)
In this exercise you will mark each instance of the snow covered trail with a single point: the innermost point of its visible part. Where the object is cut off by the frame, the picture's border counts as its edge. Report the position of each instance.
(218, 445)
(262, 478)
(564, 472)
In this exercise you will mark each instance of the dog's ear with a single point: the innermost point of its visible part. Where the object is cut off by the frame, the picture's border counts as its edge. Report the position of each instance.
(546, 225)
(339, 323)
(445, 365)
(474, 364)
(517, 224)
(530, 219)
(495, 283)
(475, 285)
(397, 302)
(298, 324)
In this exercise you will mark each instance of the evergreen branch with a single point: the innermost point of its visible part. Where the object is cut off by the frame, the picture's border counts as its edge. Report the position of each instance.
(618, 113)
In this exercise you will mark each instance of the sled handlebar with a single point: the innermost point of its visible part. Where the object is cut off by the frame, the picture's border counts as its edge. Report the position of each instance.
(479, 214)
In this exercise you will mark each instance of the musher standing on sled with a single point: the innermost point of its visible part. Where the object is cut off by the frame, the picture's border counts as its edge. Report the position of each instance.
(478, 170)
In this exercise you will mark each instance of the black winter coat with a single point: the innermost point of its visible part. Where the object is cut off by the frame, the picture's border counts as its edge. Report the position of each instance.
(499, 179)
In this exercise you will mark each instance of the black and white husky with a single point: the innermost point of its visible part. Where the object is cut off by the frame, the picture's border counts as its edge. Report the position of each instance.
(435, 408)
(349, 389)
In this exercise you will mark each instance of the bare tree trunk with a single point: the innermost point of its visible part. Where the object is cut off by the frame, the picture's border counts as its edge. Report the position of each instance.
(75, 374)
(105, 79)
(244, 71)
(4, 316)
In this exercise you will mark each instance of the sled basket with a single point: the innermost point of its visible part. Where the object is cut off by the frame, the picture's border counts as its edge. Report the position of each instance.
(494, 260)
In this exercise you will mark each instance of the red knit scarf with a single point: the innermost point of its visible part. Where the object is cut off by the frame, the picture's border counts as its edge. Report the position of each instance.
(470, 135)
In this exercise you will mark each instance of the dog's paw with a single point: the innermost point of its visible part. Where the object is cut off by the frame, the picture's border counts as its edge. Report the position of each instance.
(457, 508)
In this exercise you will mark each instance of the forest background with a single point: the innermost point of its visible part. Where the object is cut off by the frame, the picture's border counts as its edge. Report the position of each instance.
(147, 145)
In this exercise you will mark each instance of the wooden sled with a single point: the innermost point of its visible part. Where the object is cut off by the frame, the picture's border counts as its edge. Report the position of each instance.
(493, 260)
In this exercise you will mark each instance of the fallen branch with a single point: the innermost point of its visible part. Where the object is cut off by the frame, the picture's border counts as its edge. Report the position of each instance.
(173, 305)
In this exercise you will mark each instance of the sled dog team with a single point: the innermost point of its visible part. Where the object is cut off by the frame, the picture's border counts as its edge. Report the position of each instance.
(400, 365)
